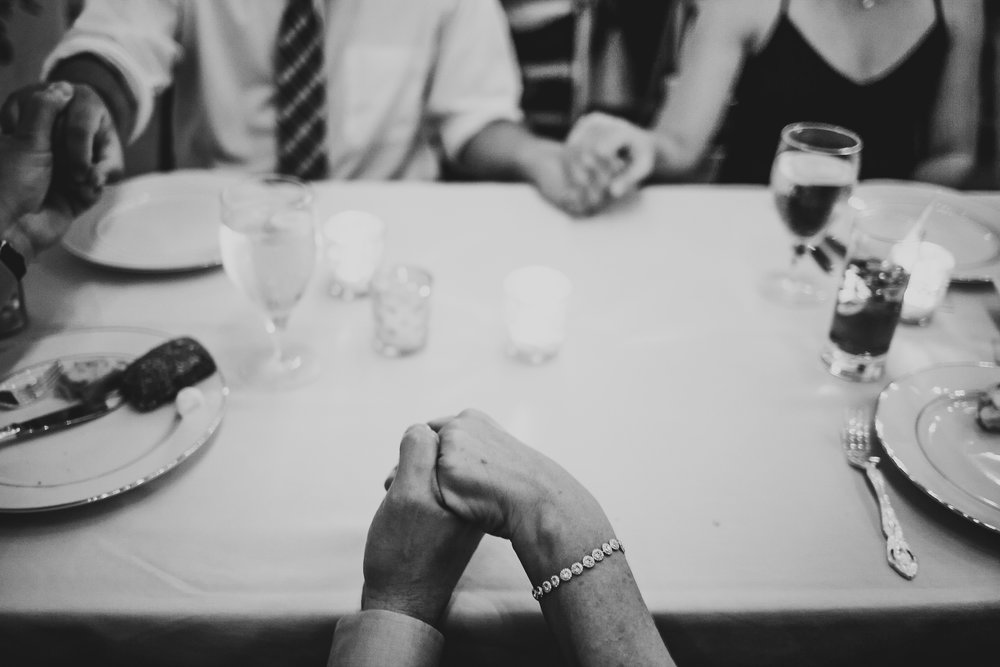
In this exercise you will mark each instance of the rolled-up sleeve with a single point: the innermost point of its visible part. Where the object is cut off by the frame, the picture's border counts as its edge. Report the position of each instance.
(377, 637)
(476, 80)
(136, 37)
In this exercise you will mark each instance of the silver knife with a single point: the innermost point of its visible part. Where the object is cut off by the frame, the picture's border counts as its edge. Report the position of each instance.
(78, 413)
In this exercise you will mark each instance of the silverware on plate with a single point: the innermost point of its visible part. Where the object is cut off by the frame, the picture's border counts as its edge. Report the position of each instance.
(858, 447)
(27, 386)
(57, 420)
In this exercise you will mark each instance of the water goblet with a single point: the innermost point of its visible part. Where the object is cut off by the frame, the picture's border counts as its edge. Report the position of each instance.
(268, 241)
(815, 168)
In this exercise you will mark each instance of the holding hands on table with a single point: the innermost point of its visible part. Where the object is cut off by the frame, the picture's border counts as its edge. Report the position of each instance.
(85, 142)
(461, 477)
(416, 548)
(610, 156)
(35, 208)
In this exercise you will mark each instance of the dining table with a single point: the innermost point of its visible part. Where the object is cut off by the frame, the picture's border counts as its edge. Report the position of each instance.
(695, 409)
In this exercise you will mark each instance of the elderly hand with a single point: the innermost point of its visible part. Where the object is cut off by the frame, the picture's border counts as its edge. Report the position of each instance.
(416, 550)
(507, 489)
(609, 155)
(87, 150)
(25, 147)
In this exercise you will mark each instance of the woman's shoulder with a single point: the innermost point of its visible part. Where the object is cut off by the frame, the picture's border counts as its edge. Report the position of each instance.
(747, 22)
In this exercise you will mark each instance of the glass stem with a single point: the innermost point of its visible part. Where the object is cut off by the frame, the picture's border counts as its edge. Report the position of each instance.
(277, 327)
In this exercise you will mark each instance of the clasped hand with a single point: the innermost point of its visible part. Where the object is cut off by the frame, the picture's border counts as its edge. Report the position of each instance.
(80, 140)
(457, 478)
(603, 160)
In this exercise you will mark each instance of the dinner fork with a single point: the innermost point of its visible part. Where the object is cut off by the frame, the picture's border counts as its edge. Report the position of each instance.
(858, 447)
(19, 395)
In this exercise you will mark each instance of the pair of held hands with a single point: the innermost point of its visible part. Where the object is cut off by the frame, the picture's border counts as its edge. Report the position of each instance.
(603, 159)
(457, 478)
(58, 150)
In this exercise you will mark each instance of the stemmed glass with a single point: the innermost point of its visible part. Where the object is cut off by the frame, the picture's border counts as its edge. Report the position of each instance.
(268, 240)
(815, 168)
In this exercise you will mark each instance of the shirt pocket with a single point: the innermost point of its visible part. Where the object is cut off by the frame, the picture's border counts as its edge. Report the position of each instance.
(384, 95)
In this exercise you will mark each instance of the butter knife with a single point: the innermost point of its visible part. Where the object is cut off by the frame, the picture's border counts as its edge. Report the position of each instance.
(75, 414)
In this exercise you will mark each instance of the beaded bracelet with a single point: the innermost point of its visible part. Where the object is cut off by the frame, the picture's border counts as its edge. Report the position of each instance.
(577, 568)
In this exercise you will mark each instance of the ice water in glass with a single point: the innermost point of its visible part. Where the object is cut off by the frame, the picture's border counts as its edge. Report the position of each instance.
(268, 244)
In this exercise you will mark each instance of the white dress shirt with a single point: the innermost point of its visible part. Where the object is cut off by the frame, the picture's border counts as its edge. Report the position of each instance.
(407, 79)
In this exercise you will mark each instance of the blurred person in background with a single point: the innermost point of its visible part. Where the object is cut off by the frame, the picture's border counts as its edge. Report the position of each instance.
(901, 73)
(404, 86)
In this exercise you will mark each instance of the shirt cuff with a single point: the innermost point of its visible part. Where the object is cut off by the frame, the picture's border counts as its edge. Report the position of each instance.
(118, 58)
(380, 637)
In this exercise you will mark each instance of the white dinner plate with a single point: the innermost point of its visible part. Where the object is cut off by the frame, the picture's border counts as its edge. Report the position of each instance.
(154, 223)
(109, 455)
(968, 228)
(927, 424)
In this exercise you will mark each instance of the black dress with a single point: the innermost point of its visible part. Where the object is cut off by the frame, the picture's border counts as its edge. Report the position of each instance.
(789, 81)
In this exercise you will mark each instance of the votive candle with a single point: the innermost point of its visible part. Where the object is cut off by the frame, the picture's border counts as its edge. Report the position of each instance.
(930, 266)
(536, 310)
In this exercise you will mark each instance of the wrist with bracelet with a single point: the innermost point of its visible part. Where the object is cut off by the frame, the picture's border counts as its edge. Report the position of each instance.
(577, 568)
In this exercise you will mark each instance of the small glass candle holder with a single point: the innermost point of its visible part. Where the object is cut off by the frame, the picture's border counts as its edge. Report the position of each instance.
(930, 267)
(401, 304)
(353, 244)
(536, 310)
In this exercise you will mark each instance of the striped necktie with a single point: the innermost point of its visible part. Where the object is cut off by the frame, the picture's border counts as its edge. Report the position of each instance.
(301, 93)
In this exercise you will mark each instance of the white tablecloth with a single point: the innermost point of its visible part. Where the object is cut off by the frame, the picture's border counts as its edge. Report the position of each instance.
(697, 412)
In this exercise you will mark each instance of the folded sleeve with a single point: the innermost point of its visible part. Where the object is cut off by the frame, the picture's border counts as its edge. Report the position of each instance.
(378, 637)
(476, 79)
(136, 37)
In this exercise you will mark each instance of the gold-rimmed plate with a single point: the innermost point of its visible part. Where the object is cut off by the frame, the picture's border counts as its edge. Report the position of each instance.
(927, 424)
(110, 455)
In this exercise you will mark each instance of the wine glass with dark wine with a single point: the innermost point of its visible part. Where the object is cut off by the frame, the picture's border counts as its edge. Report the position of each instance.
(815, 168)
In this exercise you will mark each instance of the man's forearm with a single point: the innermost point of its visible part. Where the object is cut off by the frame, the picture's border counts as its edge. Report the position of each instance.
(502, 150)
(107, 82)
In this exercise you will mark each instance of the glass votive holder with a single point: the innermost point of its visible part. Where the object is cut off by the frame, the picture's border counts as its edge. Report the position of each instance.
(401, 303)
(930, 267)
(536, 307)
(353, 244)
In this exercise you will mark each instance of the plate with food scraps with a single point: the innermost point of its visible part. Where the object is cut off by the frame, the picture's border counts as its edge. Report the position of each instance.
(930, 424)
(968, 227)
(114, 453)
(155, 223)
